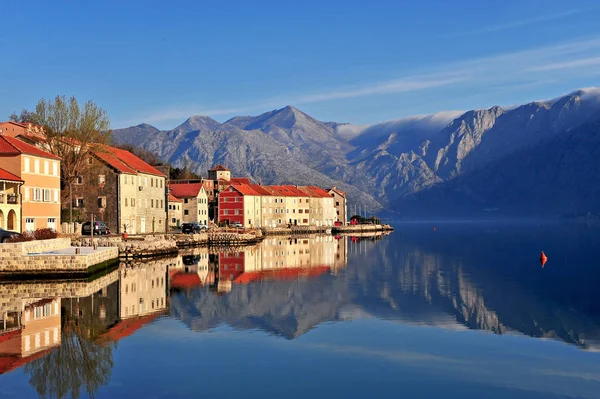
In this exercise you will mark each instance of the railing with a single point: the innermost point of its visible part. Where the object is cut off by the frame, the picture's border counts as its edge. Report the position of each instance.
(9, 198)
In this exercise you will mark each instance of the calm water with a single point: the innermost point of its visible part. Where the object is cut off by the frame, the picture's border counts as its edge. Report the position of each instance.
(464, 311)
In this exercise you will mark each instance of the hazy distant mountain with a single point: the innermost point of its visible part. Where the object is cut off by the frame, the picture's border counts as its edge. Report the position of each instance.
(408, 165)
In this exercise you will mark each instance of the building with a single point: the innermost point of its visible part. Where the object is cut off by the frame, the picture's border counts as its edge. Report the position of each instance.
(240, 203)
(40, 172)
(22, 129)
(10, 201)
(339, 200)
(175, 211)
(123, 191)
(321, 207)
(195, 201)
(219, 172)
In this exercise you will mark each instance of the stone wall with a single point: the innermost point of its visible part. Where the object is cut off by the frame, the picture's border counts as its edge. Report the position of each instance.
(50, 256)
(14, 296)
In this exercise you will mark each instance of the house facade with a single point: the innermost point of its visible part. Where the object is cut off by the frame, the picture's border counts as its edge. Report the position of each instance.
(242, 204)
(123, 191)
(40, 192)
(195, 201)
(339, 201)
(175, 211)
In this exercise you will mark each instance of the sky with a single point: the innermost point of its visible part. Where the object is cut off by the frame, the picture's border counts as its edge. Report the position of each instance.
(360, 62)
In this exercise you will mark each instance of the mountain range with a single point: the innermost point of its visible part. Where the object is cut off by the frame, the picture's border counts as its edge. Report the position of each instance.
(536, 159)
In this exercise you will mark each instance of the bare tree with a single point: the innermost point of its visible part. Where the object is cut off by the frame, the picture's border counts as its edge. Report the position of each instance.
(72, 131)
(24, 116)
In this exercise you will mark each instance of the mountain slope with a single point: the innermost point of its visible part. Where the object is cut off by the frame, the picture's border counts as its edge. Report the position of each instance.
(388, 162)
(560, 173)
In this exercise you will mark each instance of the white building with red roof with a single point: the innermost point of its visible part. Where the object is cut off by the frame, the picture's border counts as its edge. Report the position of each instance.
(123, 191)
(194, 201)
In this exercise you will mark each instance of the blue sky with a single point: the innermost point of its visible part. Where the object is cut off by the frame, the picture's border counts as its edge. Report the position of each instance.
(359, 62)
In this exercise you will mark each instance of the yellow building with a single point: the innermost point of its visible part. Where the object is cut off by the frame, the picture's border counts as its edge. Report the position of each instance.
(10, 201)
(195, 201)
(40, 172)
(175, 211)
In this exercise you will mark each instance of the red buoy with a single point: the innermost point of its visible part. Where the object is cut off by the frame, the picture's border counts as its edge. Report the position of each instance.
(543, 259)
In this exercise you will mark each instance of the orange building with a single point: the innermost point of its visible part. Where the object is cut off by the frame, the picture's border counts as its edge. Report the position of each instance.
(40, 172)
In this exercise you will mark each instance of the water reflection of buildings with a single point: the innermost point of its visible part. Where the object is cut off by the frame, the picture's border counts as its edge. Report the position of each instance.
(282, 258)
(37, 317)
(29, 332)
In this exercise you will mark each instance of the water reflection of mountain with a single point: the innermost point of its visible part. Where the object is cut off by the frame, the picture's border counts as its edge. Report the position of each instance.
(484, 279)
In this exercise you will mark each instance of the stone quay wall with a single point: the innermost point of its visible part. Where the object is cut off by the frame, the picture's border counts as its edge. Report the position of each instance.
(14, 296)
(362, 228)
(37, 257)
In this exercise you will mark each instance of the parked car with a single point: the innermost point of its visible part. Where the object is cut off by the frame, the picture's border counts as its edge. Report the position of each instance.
(193, 228)
(237, 225)
(5, 235)
(99, 228)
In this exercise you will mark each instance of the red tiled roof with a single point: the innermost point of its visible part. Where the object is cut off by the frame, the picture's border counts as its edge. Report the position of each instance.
(136, 163)
(114, 162)
(127, 327)
(185, 190)
(287, 191)
(186, 280)
(338, 192)
(244, 189)
(281, 274)
(218, 167)
(13, 146)
(124, 161)
(5, 175)
(173, 198)
(260, 189)
(315, 192)
(240, 180)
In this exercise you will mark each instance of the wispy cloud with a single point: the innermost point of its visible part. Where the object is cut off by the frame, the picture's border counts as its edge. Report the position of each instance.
(585, 62)
(520, 69)
(518, 23)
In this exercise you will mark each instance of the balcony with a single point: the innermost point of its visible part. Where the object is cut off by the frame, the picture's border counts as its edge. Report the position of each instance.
(11, 199)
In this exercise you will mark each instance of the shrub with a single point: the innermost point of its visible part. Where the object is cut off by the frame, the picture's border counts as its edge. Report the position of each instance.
(39, 234)
(44, 234)
(20, 238)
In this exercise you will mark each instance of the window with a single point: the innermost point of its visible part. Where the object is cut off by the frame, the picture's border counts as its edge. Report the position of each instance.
(225, 199)
(56, 195)
(162, 204)
(185, 200)
(225, 212)
(37, 195)
(337, 203)
(300, 211)
(151, 203)
(78, 202)
(186, 212)
(101, 179)
(79, 180)
(237, 199)
(126, 201)
(151, 182)
(46, 167)
(26, 164)
(90, 160)
(237, 211)
(36, 166)
(26, 193)
(161, 184)
(47, 195)
(173, 220)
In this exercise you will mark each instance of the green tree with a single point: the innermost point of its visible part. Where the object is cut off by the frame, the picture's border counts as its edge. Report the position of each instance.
(72, 131)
